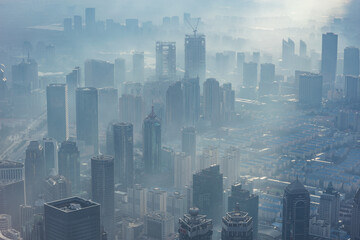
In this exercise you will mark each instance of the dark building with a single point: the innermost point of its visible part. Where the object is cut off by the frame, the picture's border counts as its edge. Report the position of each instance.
(195, 227)
(237, 225)
(355, 217)
(330, 205)
(191, 89)
(267, 78)
(174, 107)
(152, 143)
(119, 72)
(310, 90)
(166, 60)
(90, 19)
(34, 171)
(351, 61)
(296, 212)
(69, 164)
(57, 187)
(124, 154)
(212, 101)
(68, 25)
(51, 156)
(77, 24)
(195, 56)
(208, 192)
(72, 219)
(102, 189)
(57, 111)
(250, 74)
(227, 101)
(247, 202)
(352, 89)
(240, 60)
(72, 82)
(329, 59)
(108, 106)
(188, 144)
(288, 53)
(138, 67)
(25, 76)
(99, 74)
(87, 128)
(131, 110)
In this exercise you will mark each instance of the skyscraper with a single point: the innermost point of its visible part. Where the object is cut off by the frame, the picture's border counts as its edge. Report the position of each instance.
(296, 212)
(208, 192)
(72, 219)
(131, 110)
(56, 188)
(137, 199)
(87, 128)
(72, 82)
(267, 78)
(138, 67)
(352, 89)
(240, 60)
(195, 57)
(310, 89)
(330, 205)
(50, 155)
(68, 25)
(158, 225)
(152, 143)
(288, 53)
(174, 107)
(191, 90)
(194, 226)
(156, 200)
(303, 49)
(99, 73)
(182, 170)
(77, 24)
(329, 59)
(25, 76)
(188, 144)
(250, 74)
(108, 106)
(124, 156)
(247, 202)
(57, 111)
(212, 101)
(166, 60)
(237, 225)
(355, 217)
(227, 101)
(11, 171)
(34, 171)
(351, 61)
(69, 164)
(102, 189)
(119, 72)
(90, 19)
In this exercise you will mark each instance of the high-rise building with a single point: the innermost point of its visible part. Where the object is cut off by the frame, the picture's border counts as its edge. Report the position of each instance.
(194, 226)
(352, 89)
(303, 49)
(267, 78)
(195, 56)
(288, 53)
(108, 106)
(188, 144)
(208, 192)
(138, 67)
(57, 112)
(237, 225)
(329, 59)
(174, 107)
(119, 72)
(25, 76)
(230, 164)
(72, 219)
(56, 188)
(182, 170)
(191, 98)
(131, 110)
(355, 217)
(72, 82)
(176, 205)
(137, 201)
(156, 200)
(166, 60)
(152, 143)
(310, 89)
(250, 74)
(26, 220)
(68, 25)
(34, 171)
(227, 101)
(87, 128)
(124, 156)
(159, 225)
(50, 155)
(99, 73)
(240, 60)
(77, 24)
(248, 203)
(102, 189)
(330, 206)
(296, 212)
(11, 171)
(351, 61)
(69, 164)
(212, 101)
(90, 23)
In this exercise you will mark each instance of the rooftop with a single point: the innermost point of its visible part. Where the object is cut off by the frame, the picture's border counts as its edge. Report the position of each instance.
(72, 204)
(10, 164)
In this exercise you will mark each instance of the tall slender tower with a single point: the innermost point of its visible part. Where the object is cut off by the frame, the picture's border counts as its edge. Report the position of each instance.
(166, 60)
(174, 107)
(152, 143)
(212, 101)
(329, 59)
(355, 217)
(188, 144)
(195, 56)
(351, 61)
(69, 164)
(191, 89)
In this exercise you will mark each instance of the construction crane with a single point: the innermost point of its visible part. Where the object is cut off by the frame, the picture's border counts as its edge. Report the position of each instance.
(194, 28)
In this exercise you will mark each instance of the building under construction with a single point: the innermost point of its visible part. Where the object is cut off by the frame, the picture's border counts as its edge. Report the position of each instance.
(166, 60)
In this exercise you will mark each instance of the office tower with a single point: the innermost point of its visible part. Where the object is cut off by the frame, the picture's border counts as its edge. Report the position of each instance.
(195, 56)
(191, 98)
(90, 23)
(57, 187)
(138, 67)
(11, 171)
(99, 73)
(50, 156)
(248, 202)
(5, 222)
(72, 82)
(240, 60)
(330, 206)
(237, 225)
(57, 111)
(124, 154)
(222, 64)
(296, 212)
(131, 110)
(137, 201)
(11, 197)
(108, 106)
(303, 49)
(212, 101)
(68, 25)
(159, 225)
(34, 171)
(174, 107)
(352, 89)
(231, 164)
(132, 229)
(250, 74)
(208, 191)
(72, 219)
(176, 205)
(77, 24)
(152, 143)
(119, 72)
(329, 59)
(194, 226)
(87, 116)
(25, 76)
(351, 61)
(102, 189)
(288, 53)
(166, 60)
(188, 144)
(69, 164)
(210, 156)
(167, 162)
(227, 101)
(26, 220)
(267, 78)
(38, 228)
(182, 170)
(355, 217)
(156, 200)
(310, 89)
(132, 26)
